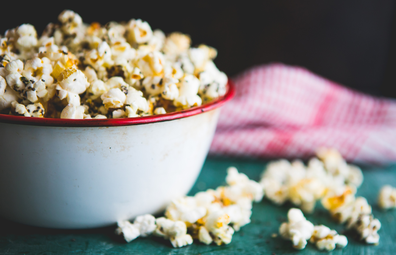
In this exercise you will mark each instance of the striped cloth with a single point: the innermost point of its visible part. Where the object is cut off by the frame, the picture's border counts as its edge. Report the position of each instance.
(281, 111)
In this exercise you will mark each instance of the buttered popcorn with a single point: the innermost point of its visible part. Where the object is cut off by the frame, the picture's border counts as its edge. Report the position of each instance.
(304, 185)
(89, 71)
(387, 197)
(210, 216)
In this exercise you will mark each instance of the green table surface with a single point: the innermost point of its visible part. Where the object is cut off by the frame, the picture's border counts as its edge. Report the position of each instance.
(254, 238)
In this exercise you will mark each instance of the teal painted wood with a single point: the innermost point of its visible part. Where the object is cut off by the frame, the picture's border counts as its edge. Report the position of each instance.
(254, 238)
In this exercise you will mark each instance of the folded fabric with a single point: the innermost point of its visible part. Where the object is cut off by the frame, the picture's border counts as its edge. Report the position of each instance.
(289, 112)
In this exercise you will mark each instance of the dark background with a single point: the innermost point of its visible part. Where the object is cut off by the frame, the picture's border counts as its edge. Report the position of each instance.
(350, 42)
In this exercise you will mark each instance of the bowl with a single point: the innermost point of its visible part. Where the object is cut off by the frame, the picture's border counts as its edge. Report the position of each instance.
(73, 174)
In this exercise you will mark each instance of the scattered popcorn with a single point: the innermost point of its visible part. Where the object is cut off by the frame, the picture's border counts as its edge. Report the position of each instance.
(367, 226)
(143, 226)
(130, 231)
(217, 224)
(113, 69)
(297, 229)
(213, 216)
(305, 185)
(387, 197)
(175, 231)
(327, 239)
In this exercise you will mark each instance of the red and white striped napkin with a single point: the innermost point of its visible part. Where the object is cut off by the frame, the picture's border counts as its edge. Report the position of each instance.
(281, 111)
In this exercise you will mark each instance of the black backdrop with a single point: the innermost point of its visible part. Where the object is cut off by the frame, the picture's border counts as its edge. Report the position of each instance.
(350, 42)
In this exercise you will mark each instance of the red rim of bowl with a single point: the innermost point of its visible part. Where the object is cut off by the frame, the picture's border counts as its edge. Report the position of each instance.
(5, 118)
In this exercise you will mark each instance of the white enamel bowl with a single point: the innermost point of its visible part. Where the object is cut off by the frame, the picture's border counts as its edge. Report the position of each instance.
(73, 174)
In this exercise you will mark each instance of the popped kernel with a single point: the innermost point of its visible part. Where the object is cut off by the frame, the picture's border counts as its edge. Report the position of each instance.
(387, 197)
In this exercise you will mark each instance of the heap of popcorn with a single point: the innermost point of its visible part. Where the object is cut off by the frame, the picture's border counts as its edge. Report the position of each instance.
(213, 216)
(81, 71)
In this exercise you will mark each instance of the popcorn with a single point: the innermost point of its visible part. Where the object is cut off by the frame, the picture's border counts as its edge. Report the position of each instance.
(248, 188)
(135, 102)
(138, 32)
(99, 57)
(212, 81)
(30, 110)
(175, 231)
(387, 197)
(159, 110)
(304, 185)
(73, 112)
(130, 231)
(119, 113)
(27, 37)
(7, 95)
(305, 193)
(169, 90)
(297, 229)
(143, 226)
(70, 21)
(217, 224)
(176, 43)
(114, 98)
(327, 239)
(151, 64)
(367, 227)
(188, 90)
(185, 209)
(74, 63)
(204, 236)
(71, 83)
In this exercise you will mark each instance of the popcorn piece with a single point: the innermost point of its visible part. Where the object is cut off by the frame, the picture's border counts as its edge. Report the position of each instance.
(145, 224)
(249, 188)
(71, 83)
(185, 209)
(204, 236)
(27, 39)
(73, 112)
(188, 90)
(159, 110)
(70, 21)
(151, 64)
(297, 229)
(169, 90)
(31, 110)
(336, 200)
(327, 239)
(14, 78)
(130, 231)
(175, 231)
(387, 197)
(100, 116)
(305, 193)
(119, 113)
(176, 43)
(357, 214)
(212, 81)
(138, 32)
(122, 53)
(96, 89)
(114, 98)
(135, 102)
(99, 57)
(239, 213)
(217, 224)
(7, 95)
(367, 227)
